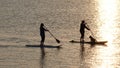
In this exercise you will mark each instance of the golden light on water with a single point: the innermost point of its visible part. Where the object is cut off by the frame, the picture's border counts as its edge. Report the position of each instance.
(107, 13)
(107, 27)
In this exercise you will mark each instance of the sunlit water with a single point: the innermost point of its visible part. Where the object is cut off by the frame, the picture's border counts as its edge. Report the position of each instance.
(19, 26)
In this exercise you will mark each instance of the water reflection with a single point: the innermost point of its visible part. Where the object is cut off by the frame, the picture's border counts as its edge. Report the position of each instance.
(107, 10)
(107, 14)
(82, 50)
(42, 61)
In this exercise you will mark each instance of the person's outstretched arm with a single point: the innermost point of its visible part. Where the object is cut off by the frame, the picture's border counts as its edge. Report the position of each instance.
(87, 27)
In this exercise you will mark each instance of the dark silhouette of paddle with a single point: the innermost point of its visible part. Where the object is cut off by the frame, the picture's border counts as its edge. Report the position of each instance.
(90, 30)
(58, 41)
(92, 33)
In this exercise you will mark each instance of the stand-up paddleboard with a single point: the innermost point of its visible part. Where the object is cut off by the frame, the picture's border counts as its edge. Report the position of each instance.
(45, 46)
(89, 42)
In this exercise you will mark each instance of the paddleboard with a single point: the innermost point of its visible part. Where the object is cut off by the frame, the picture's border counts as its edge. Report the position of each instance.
(45, 46)
(89, 42)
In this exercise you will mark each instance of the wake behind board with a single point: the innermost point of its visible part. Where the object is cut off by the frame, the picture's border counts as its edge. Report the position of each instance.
(45, 46)
(89, 42)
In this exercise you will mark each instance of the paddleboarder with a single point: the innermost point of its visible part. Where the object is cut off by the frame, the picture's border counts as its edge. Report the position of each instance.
(42, 33)
(82, 30)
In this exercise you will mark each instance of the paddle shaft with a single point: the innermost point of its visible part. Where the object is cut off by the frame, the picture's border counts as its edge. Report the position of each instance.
(53, 35)
(90, 30)
(50, 33)
(92, 33)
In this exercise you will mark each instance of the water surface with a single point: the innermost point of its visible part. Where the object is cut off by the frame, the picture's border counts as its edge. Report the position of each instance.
(19, 26)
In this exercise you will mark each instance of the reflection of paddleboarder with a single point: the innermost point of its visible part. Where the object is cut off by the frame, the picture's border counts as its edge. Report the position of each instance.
(82, 30)
(42, 33)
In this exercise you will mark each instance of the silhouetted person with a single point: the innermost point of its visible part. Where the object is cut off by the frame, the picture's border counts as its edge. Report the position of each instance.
(82, 30)
(42, 33)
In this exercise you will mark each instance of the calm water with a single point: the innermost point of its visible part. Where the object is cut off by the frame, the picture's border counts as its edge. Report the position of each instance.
(19, 26)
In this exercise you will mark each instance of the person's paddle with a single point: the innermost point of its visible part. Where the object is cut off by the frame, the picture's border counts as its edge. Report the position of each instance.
(92, 33)
(90, 30)
(58, 41)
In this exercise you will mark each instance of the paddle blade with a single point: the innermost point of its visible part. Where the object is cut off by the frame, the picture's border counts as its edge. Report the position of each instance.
(58, 41)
